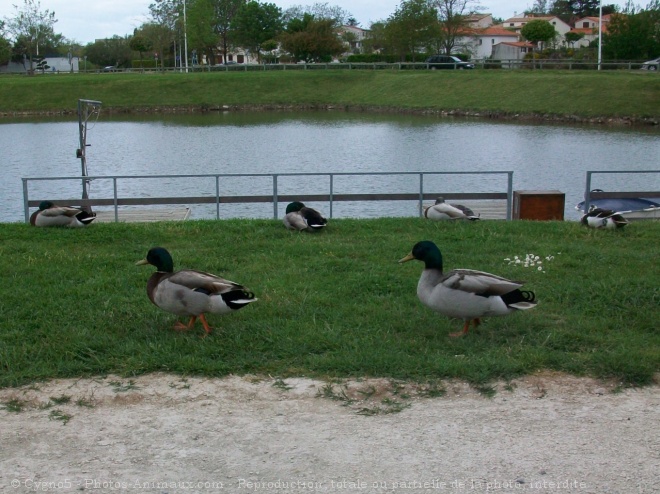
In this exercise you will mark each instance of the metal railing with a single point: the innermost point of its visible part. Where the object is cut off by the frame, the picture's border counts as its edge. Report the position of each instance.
(331, 196)
(590, 194)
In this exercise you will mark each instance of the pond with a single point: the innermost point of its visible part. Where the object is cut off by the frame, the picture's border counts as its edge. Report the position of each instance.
(542, 156)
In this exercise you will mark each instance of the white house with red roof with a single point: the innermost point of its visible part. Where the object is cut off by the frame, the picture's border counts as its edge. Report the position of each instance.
(588, 27)
(481, 36)
(516, 24)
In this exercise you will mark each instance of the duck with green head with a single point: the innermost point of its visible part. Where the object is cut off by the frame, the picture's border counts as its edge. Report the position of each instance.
(465, 293)
(192, 293)
(49, 214)
(301, 218)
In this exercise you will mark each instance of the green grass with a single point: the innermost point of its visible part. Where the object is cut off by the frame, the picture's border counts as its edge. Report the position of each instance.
(331, 305)
(586, 94)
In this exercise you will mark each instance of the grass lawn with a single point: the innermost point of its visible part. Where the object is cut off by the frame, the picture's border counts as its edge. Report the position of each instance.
(587, 94)
(332, 304)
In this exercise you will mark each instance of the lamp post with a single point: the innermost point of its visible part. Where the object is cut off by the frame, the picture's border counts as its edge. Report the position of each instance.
(185, 36)
(600, 32)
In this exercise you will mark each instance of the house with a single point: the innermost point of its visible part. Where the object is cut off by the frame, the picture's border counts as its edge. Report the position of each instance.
(516, 24)
(479, 21)
(588, 26)
(354, 36)
(479, 43)
(511, 51)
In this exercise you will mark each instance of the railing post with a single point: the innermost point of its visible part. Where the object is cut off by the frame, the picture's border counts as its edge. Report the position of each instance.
(217, 197)
(587, 193)
(275, 201)
(421, 194)
(114, 187)
(332, 188)
(26, 208)
(509, 195)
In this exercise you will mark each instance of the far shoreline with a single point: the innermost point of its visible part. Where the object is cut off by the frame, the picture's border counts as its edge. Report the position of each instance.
(477, 114)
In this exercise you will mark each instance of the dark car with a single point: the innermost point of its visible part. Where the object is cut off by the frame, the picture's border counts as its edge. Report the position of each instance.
(110, 68)
(447, 62)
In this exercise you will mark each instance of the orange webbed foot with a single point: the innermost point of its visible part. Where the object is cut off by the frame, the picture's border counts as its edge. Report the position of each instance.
(179, 326)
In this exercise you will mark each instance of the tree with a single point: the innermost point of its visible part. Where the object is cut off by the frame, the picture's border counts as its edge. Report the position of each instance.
(159, 38)
(540, 7)
(33, 26)
(633, 35)
(377, 39)
(5, 46)
(311, 40)
(167, 26)
(572, 37)
(412, 28)
(452, 15)
(257, 24)
(538, 31)
(209, 25)
(140, 44)
(110, 51)
(570, 10)
(319, 11)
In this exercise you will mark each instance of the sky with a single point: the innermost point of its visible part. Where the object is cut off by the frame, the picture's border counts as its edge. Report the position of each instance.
(86, 20)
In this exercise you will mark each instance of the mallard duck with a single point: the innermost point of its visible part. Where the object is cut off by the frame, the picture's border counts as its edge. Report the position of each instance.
(50, 214)
(301, 218)
(603, 218)
(442, 211)
(464, 293)
(192, 293)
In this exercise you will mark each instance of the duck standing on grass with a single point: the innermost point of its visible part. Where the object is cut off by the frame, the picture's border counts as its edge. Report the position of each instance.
(465, 293)
(603, 218)
(441, 211)
(50, 214)
(301, 218)
(192, 293)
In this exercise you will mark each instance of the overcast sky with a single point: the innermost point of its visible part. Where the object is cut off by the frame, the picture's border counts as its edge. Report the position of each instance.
(87, 20)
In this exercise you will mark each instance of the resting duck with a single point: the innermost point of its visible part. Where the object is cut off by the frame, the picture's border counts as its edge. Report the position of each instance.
(603, 218)
(49, 214)
(192, 293)
(301, 218)
(464, 293)
(442, 211)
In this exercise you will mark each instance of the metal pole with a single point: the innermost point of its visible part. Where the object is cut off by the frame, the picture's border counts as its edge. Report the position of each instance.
(185, 35)
(600, 32)
(421, 194)
(587, 193)
(217, 197)
(509, 195)
(114, 196)
(26, 208)
(275, 201)
(332, 189)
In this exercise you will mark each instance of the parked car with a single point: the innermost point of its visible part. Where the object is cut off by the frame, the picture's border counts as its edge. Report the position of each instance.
(447, 62)
(651, 64)
(110, 68)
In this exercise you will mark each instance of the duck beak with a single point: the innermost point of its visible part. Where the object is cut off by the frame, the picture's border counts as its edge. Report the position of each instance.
(142, 262)
(409, 257)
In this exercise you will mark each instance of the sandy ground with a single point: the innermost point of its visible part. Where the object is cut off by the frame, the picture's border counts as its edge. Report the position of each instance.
(165, 434)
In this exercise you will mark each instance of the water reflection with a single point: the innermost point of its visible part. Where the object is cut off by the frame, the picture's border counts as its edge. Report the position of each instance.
(543, 157)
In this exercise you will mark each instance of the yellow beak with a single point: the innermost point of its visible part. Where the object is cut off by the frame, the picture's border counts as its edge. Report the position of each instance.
(409, 257)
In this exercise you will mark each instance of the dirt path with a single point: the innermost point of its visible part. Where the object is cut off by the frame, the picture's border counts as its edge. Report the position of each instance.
(164, 434)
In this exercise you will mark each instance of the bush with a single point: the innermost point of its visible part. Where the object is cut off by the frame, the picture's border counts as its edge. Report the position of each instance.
(147, 63)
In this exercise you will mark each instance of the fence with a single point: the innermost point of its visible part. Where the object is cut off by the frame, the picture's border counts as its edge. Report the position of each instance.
(590, 194)
(330, 196)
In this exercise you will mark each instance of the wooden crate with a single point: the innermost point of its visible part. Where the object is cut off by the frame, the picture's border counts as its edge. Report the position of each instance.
(538, 205)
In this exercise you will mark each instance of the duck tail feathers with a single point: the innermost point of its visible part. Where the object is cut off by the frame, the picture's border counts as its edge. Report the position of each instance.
(85, 218)
(520, 299)
(236, 299)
